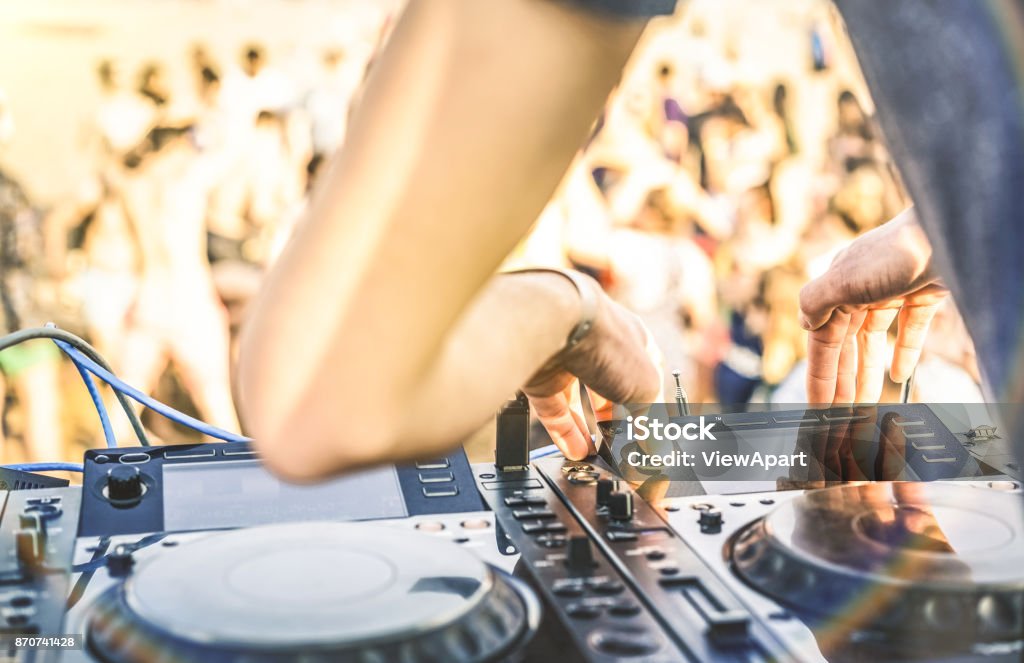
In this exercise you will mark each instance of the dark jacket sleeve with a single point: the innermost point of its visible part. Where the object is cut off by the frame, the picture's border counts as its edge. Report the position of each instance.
(945, 76)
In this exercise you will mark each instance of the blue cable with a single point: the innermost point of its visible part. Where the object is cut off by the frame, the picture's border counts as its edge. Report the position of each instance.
(97, 400)
(542, 452)
(44, 467)
(167, 411)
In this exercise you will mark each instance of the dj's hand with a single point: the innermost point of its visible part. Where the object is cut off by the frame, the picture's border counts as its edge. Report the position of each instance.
(618, 361)
(848, 310)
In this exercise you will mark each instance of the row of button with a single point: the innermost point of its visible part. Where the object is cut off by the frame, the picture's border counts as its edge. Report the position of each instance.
(434, 475)
(438, 526)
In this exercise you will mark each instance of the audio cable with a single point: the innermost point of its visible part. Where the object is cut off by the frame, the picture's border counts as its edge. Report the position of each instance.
(86, 350)
(44, 467)
(122, 387)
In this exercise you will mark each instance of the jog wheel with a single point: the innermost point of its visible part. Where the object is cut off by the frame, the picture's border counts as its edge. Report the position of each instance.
(314, 592)
(910, 566)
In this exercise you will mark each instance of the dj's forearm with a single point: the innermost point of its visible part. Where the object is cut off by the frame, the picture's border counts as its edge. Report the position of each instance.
(510, 330)
(467, 123)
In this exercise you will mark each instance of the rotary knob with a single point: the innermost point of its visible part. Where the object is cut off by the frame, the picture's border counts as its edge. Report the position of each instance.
(620, 505)
(580, 557)
(710, 521)
(124, 484)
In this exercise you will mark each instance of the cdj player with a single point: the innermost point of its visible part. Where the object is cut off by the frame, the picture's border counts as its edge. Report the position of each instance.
(196, 553)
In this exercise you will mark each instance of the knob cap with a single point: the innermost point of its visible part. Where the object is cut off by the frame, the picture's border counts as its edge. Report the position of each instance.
(710, 521)
(120, 561)
(124, 483)
(620, 506)
(580, 556)
(29, 546)
(605, 488)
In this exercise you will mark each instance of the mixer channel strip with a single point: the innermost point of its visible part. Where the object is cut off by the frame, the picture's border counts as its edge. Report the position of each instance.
(603, 614)
(693, 604)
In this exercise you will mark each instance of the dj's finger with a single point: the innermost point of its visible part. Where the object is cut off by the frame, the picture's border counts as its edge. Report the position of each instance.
(913, 327)
(817, 302)
(871, 354)
(824, 346)
(604, 408)
(892, 448)
(566, 427)
(846, 368)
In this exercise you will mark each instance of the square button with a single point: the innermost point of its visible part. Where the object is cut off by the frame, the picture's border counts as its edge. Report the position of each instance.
(439, 477)
(537, 513)
(440, 491)
(441, 464)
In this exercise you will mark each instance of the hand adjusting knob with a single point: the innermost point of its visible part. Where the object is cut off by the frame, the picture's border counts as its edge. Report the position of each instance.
(124, 484)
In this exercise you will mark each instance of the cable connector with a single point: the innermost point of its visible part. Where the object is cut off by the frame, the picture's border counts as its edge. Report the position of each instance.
(512, 441)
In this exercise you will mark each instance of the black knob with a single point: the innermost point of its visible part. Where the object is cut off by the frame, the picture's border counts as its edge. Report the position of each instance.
(620, 505)
(120, 561)
(605, 488)
(124, 483)
(710, 521)
(580, 556)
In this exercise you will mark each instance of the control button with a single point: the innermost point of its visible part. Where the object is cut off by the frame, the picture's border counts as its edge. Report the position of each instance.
(583, 610)
(124, 484)
(710, 521)
(525, 500)
(134, 458)
(580, 556)
(605, 585)
(239, 452)
(619, 642)
(551, 540)
(190, 453)
(624, 608)
(655, 554)
(620, 505)
(668, 570)
(443, 477)
(101, 458)
(476, 523)
(440, 491)
(430, 526)
(539, 527)
(808, 418)
(22, 601)
(535, 513)
(567, 589)
(441, 464)
(616, 535)
(52, 500)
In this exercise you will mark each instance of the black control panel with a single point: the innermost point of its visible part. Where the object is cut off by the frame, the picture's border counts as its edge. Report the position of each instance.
(222, 486)
(897, 441)
(620, 580)
(37, 540)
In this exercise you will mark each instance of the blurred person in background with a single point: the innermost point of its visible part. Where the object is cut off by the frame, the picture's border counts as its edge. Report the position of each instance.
(30, 369)
(177, 315)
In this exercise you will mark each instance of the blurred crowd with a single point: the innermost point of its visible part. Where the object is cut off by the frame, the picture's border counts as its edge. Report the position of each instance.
(703, 200)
